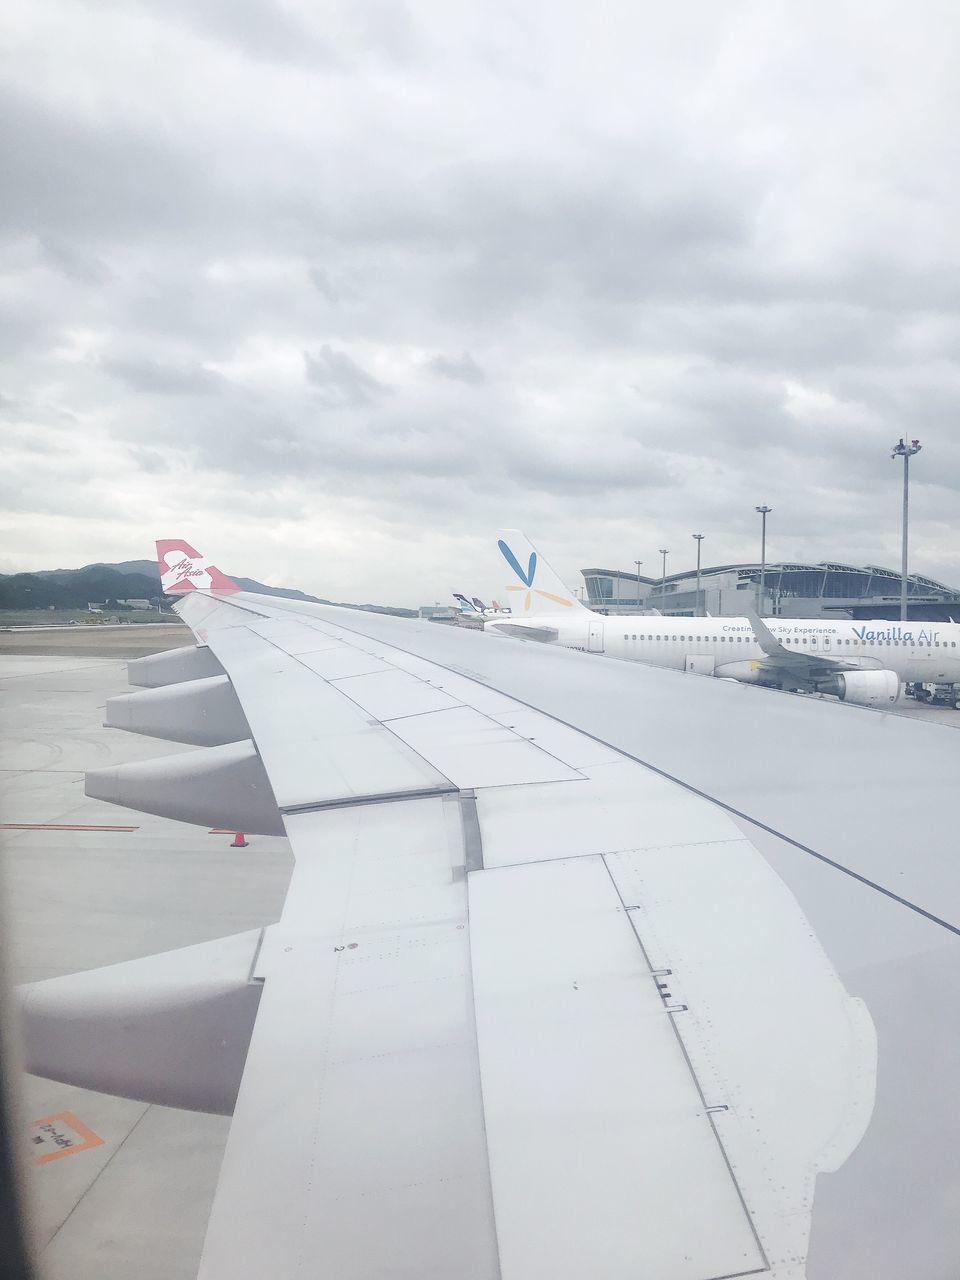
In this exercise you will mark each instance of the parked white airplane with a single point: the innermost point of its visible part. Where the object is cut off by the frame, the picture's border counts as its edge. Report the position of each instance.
(862, 662)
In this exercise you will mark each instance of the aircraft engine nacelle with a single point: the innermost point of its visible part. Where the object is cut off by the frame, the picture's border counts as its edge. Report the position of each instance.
(866, 688)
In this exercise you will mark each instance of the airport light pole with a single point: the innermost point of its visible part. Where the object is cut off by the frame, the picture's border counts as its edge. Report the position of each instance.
(664, 551)
(699, 537)
(638, 563)
(764, 512)
(905, 450)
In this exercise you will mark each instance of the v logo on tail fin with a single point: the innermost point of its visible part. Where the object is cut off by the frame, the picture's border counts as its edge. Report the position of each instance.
(182, 569)
(511, 559)
(543, 592)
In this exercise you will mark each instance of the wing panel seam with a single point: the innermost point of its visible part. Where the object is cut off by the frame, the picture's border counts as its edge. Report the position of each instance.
(382, 797)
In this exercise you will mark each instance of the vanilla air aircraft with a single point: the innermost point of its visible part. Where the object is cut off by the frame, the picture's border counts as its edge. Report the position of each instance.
(586, 970)
(861, 662)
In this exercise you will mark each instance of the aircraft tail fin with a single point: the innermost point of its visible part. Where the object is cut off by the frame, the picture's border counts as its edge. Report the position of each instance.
(182, 569)
(534, 586)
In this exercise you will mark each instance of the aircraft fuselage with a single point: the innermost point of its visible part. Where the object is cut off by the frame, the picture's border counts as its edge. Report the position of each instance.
(916, 651)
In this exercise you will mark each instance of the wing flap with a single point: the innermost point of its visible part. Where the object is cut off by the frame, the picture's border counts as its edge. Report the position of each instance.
(571, 1024)
(741, 957)
(357, 1147)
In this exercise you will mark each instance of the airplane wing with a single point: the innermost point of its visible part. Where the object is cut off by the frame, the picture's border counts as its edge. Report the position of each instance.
(545, 635)
(807, 669)
(585, 968)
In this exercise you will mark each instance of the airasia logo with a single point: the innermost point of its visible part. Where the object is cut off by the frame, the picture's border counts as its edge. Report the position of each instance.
(185, 569)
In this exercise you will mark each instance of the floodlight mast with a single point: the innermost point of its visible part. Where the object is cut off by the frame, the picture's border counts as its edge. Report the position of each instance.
(905, 450)
(699, 537)
(638, 563)
(664, 551)
(764, 512)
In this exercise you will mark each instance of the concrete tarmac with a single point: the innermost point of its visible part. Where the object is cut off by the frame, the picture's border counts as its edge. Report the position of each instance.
(132, 641)
(76, 898)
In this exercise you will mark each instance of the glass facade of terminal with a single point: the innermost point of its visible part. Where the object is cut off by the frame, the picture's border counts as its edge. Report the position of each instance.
(836, 582)
(790, 590)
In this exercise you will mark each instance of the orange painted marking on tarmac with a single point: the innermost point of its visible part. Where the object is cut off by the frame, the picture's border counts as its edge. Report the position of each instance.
(58, 826)
(62, 1135)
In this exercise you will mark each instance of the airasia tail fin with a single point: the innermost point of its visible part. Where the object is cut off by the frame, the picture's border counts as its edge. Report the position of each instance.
(184, 569)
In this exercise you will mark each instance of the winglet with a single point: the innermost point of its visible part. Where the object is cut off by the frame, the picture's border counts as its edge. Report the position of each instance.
(542, 591)
(184, 569)
(767, 641)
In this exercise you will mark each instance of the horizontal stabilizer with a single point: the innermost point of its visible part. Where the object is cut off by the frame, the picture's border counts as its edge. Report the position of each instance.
(171, 1029)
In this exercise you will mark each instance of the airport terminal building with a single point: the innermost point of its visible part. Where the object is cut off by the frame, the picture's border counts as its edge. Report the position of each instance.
(790, 591)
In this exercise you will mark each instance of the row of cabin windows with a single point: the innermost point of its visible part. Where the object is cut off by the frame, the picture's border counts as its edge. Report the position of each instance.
(937, 644)
(693, 639)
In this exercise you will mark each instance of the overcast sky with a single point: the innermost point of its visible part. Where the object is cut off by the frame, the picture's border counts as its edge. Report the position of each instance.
(336, 290)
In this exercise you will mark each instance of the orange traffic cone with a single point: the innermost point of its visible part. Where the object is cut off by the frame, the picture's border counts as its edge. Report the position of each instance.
(239, 841)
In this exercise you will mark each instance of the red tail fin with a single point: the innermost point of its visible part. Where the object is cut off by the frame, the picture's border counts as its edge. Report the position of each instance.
(184, 569)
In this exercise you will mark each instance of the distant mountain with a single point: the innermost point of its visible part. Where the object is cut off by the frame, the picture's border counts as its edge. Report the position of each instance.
(147, 568)
(288, 593)
(75, 588)
(130, 580)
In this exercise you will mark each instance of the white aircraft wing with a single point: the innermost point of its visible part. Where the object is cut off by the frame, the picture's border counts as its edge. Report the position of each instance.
(806, 669)
(546, 635)
(462, 1054)
(585, 968)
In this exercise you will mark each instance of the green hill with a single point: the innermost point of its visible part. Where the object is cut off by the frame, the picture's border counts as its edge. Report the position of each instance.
(132, 579)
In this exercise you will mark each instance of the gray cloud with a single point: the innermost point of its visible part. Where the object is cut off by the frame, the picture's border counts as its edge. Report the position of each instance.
(340, 382)
(159, 379)
(342, 289)
(323, 284)
(86, 268)
(462, 368)
(66, 176)
(256, 28)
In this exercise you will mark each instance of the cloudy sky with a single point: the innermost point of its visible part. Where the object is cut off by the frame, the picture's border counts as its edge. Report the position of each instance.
(335, 290)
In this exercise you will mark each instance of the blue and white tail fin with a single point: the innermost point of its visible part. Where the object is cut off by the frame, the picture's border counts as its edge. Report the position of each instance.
(532, 585)
(463, 604)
